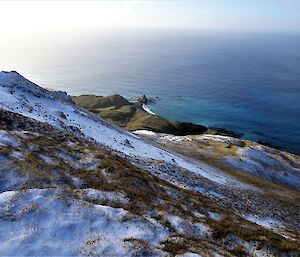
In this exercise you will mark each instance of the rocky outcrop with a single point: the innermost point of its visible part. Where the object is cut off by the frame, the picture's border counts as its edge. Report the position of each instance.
(143, 99)
(187, 128)
(225, 132)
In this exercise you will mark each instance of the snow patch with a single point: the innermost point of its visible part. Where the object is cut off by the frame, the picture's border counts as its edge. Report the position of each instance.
(6, 140)
(258, 161)
(144, 132)
(189, 254)
(175, 138)
(215, 216)
(91, 194)
(48, 159)
(17, 155)
(220, 139)
(50, 222)
(265, 222)
(199, 230)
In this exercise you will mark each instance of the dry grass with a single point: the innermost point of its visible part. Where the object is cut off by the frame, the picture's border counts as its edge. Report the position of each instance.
(213, 154)
(251, 232)
(146, 193)
(180, 244)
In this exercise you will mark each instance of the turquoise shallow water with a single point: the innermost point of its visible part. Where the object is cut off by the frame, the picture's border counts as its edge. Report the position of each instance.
(249, 83)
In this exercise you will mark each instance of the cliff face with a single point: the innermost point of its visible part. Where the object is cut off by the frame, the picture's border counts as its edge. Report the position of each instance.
(72, 184)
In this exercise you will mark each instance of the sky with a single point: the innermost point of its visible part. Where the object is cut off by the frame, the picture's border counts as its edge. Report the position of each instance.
(19, 17)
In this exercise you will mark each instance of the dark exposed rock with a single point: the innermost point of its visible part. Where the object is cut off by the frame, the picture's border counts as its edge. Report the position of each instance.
(187, 128)
(62, 115)
(225, 132)
(143, 99)
(76, 130)
(268, 144)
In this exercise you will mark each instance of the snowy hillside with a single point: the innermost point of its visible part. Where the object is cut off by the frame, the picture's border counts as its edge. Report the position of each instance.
(72, 184)
(269, 164)
(21, 96)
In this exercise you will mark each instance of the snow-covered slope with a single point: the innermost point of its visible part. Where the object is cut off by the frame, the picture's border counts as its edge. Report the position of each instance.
(267, 163)
(63, 195)
(37, 211)
(72, 184)
(22, 96)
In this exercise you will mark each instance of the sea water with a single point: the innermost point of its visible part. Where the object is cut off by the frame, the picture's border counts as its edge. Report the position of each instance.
(246, 82)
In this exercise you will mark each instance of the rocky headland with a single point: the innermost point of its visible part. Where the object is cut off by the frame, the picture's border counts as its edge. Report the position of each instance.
(133, 115)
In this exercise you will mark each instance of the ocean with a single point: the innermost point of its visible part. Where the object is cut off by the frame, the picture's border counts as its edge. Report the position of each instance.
(246, 82)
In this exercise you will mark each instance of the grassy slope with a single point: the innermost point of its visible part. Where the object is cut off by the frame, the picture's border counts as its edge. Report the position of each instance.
(119, 111)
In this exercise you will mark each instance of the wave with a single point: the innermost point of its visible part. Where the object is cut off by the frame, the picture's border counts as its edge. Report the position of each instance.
(147, 109)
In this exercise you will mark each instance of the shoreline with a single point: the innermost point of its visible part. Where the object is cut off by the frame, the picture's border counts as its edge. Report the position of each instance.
(264, 140)
(147, 109)
(134, 114)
